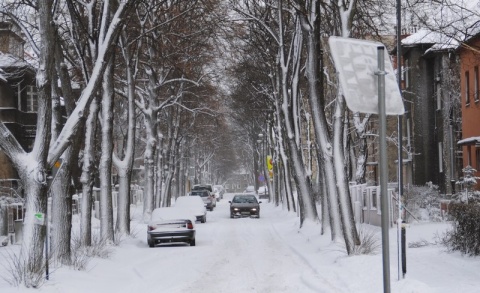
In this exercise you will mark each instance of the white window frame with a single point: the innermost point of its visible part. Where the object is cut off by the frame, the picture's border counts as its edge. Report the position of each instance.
(31, 99)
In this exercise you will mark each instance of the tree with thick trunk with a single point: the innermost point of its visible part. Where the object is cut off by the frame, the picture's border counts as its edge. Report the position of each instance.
(105, 168)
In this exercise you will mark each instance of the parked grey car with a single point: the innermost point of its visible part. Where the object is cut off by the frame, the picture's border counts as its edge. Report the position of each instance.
(263, 192)
(171, 225)
(194, 204)
(208, 198)
(245, 205)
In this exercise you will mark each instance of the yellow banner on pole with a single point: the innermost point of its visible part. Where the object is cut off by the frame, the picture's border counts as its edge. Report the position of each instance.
(269, 163)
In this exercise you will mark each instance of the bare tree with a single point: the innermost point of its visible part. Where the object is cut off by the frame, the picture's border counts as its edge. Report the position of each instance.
(32, 167)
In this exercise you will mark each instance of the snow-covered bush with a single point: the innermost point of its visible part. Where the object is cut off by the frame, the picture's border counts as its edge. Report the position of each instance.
(423, 202)
(465, 234)
(467, 183)
(17, 272)
(81, 255)
(370, 242)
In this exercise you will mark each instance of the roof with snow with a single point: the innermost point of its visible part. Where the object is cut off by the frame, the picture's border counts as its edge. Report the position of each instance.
(447, 26)
(469, 141)
(438, 40)
(8, 60)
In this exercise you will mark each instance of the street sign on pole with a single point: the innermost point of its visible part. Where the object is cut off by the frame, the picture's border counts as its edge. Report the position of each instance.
(356, 63)
(368, 84)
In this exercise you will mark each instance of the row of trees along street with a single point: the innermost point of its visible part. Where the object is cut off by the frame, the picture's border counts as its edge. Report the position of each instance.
(182, 89)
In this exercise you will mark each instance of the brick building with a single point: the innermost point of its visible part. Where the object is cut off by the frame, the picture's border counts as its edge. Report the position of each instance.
(470, 98)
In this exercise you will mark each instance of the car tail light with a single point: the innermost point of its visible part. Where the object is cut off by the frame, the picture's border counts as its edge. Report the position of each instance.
(189, 225)
(151, 227)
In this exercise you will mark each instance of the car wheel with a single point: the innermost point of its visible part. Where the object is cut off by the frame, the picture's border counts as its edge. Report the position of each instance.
(192, 242)
(150, 244)
(231, 216)
(204, 219)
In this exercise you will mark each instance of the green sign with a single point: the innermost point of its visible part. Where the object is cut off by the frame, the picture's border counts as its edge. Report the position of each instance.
(39, 218)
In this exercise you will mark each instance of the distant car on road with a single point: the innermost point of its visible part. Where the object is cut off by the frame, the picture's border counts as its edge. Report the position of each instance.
(202, 187)
(171, 225)
(249, 189)
(244, 205)
(193, 204)
(208, 198)
(218, 190)
(263, 192)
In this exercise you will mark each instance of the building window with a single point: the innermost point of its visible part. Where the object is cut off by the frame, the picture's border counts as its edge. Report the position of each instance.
(32, 99)
(365, 199)
(374, 198)
(467, 88)
(18, 93)
(476, 85)
(440, 157)
(439, 96)
(477, 157)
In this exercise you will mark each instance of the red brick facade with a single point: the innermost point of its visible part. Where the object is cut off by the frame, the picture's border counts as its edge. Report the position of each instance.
(470, 90)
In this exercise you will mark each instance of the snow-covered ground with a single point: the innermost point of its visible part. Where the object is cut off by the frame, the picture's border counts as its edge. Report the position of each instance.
(269, 254)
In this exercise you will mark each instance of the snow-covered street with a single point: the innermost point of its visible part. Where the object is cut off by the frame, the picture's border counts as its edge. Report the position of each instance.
(231, 255)
(269, 254)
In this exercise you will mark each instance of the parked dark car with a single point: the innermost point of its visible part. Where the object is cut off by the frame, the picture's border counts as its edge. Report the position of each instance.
(245, 205)
(171, 225)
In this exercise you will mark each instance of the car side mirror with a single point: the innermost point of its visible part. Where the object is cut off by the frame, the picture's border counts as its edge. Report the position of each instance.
(259, 202)
(230, 201)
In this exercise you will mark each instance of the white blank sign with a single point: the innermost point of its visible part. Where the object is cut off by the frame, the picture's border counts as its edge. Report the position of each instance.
(356, 62)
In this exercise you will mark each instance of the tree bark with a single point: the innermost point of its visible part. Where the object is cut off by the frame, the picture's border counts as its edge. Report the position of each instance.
(87, 176)
(105, 174)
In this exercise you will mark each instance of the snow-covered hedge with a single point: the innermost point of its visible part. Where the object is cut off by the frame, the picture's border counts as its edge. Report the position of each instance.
(465, 235)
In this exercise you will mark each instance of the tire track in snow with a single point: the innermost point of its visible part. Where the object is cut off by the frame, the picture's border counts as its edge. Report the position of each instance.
(252, 257)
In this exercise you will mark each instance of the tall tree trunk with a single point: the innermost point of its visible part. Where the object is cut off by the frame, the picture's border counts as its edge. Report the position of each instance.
(105, 174)
(88, 171)
(160, 175)
(125, 165)
(149, 163)
(290, 201)
(31, 253)
(346, 210)
(33, 173)
(122, 226)
(60, 191)
(61, 216)
(311, 26)
(362, 156)
(302, 180)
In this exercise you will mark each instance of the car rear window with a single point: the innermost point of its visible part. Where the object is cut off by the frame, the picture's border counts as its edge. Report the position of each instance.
(200, 193)
(244, 199)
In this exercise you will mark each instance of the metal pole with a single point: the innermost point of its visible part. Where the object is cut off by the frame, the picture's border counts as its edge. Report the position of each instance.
(400, 140)
(383, 168)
